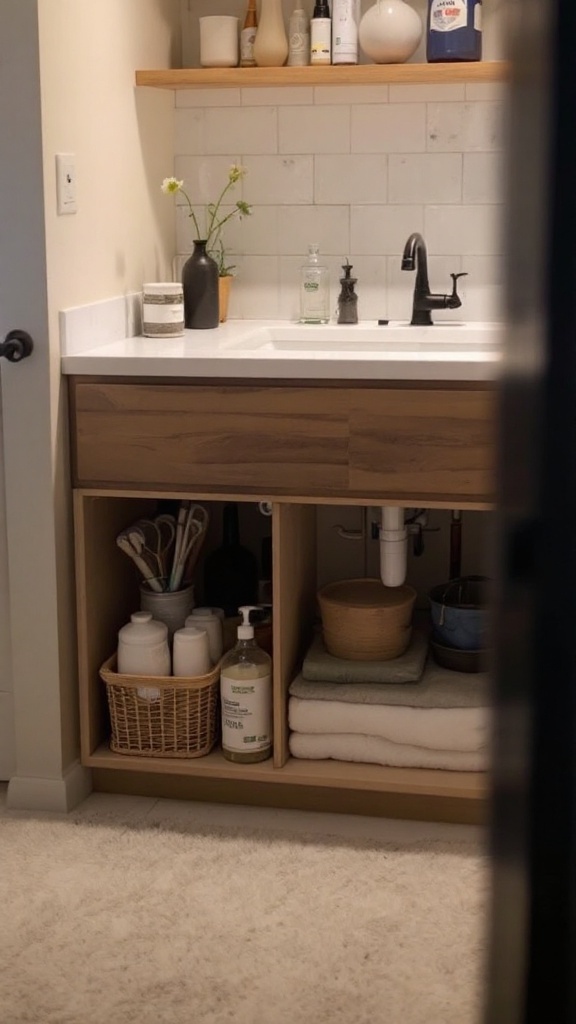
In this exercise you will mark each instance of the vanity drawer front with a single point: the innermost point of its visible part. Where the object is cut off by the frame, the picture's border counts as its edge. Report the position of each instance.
(432, 443)
(282, 440)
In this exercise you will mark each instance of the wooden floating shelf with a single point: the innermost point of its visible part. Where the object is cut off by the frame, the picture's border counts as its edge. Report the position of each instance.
(355, 74)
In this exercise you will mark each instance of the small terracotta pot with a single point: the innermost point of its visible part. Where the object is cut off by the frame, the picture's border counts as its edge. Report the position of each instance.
(224, 284)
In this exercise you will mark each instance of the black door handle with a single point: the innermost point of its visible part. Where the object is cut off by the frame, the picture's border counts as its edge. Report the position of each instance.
(17, 345)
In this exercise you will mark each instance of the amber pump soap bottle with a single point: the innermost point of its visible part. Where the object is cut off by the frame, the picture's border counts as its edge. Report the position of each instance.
(246, 695)
(248, 35)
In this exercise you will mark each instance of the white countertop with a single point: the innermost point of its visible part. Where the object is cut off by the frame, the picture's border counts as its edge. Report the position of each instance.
(269, 349)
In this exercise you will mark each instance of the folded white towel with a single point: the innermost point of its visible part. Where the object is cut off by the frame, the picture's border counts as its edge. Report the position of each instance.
(375, 750)
(454, 729)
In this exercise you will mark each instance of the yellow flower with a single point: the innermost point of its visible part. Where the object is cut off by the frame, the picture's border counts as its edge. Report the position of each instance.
(235, 173)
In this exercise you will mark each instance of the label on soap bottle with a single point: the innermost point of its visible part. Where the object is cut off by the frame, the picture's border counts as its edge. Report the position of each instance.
(320, 41)
(448, 15)
(246, 713)
(247, 38)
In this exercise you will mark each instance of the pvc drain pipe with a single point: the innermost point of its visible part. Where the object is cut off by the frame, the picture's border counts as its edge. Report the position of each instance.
(393, 546)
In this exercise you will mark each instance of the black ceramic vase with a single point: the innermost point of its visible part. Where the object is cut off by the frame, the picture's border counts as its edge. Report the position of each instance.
(200, 286)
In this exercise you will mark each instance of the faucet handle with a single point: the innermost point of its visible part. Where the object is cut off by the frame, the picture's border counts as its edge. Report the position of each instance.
(454, 300)
(455, 283)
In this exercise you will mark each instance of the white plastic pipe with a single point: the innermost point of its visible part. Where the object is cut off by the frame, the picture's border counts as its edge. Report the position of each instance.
(393, 547)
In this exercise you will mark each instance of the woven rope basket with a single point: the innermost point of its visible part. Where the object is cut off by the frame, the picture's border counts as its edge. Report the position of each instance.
(161, 716)
(363, 620)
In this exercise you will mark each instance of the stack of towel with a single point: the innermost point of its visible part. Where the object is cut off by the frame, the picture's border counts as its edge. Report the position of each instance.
(408, 712)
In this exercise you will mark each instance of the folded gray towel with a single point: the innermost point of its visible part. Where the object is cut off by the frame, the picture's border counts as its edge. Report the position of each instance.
(438, 688)
(323, 667)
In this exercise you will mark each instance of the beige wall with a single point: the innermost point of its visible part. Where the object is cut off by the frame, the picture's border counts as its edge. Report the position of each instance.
(122, 138)
(123, 232)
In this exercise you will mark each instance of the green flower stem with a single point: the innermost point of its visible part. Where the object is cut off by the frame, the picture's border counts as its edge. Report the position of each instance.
(216, 207)
(214, 222)
(221, 223)
(191, 212)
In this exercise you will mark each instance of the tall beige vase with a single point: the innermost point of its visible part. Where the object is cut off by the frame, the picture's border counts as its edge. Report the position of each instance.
(271, 43)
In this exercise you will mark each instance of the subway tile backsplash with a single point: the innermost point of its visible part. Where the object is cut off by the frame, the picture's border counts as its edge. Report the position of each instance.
(355, 169)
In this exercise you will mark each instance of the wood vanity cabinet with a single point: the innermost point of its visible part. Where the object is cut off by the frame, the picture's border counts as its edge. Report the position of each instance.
(297, 445)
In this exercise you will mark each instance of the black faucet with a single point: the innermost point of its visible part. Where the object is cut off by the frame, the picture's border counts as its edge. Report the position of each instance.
(415, 258)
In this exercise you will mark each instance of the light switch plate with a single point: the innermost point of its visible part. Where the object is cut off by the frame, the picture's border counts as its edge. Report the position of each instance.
(66, 183)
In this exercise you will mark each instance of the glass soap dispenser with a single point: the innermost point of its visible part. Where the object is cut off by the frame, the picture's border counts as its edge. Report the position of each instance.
(246, 695)
(314, 290)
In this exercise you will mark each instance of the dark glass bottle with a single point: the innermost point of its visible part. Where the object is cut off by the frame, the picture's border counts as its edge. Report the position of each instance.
(231, 571)
(200, 286)
(454, 30)
(347, 300)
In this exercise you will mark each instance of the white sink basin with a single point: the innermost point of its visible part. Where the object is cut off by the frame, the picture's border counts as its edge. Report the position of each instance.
(449, 336)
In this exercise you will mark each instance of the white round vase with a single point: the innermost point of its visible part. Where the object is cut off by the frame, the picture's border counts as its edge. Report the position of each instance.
(390, 31)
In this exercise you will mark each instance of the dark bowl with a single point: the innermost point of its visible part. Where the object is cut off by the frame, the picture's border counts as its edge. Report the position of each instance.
(460, 612)
(458, 660)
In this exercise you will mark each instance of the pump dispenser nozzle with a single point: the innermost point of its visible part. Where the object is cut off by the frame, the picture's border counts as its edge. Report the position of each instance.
(246, 630)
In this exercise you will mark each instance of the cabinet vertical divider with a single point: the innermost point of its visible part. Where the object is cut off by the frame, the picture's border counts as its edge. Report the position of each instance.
(294, 582)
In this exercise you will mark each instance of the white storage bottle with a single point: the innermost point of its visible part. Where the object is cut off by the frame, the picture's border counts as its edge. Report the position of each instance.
(345, 21)
(314, 290)
(191, 652)
(298, 38)
(246, 694)
(143, 647)
(321, 34)
(210, 620)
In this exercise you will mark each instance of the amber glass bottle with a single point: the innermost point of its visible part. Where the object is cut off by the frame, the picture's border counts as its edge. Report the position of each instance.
(247, 36)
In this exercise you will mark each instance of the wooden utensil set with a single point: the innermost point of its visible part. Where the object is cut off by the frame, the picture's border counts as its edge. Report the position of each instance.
(165, 549)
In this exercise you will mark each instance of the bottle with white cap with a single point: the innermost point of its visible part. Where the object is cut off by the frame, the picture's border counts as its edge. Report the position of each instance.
(143, 651)
(191, 654)
(143, 647)
(211, 620)
(246, 693)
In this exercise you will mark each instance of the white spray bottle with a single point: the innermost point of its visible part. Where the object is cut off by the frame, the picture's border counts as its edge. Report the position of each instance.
(246, 693)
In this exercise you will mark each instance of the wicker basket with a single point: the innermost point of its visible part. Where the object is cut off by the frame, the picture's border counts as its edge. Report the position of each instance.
(363, 620)
(162, 716)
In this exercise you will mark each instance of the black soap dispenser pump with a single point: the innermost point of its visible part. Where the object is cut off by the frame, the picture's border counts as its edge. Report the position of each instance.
(347, 300)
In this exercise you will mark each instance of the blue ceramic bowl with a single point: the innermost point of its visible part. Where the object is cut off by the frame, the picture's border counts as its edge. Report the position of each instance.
(460, 613)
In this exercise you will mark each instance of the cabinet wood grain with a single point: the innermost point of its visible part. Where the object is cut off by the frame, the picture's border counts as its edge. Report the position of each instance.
(388, 443)
(342, 74)
(423, 444)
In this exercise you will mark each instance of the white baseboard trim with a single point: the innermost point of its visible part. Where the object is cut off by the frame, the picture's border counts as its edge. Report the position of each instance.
(58, 795)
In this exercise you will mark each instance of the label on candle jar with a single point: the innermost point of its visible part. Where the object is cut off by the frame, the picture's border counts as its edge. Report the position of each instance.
(162, 310)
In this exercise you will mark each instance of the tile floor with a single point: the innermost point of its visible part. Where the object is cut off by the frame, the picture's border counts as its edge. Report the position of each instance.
(127, 810)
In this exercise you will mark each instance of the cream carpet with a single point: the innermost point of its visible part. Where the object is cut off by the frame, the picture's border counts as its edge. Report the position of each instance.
(108, 923)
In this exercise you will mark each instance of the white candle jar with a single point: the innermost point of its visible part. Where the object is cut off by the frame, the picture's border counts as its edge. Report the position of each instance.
(162, 310)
